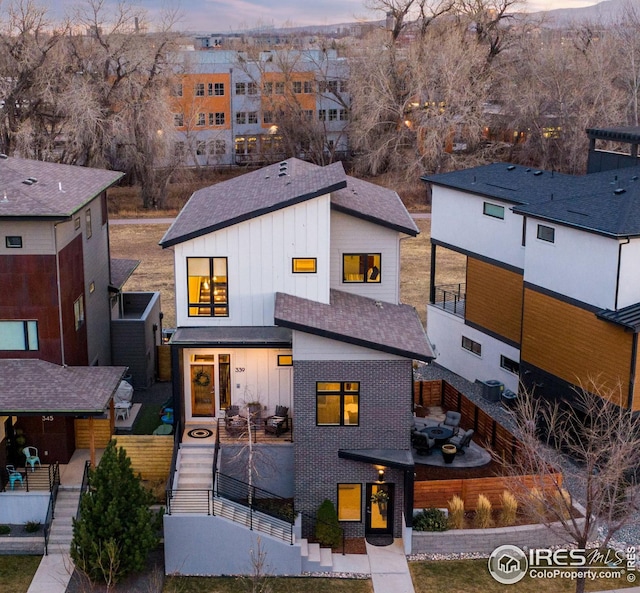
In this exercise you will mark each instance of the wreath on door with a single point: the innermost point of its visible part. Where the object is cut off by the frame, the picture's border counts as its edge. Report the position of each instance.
(202, 379)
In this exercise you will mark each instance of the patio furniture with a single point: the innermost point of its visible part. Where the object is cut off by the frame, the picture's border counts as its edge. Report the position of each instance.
(167, 416)
(14, 476)
(31, 453)
(122, 409)
(234, 424)
(452, 421)
(441, 434)
(462, 440)
(421, 442)
(278, 423)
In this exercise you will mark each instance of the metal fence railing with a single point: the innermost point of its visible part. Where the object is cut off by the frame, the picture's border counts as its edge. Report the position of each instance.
(451, 298)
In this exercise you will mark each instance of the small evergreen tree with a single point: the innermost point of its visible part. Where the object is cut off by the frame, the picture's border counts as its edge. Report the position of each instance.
(116, 529)
(328, 530)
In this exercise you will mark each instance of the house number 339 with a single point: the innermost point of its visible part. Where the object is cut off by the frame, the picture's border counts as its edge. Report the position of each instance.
(239, 369)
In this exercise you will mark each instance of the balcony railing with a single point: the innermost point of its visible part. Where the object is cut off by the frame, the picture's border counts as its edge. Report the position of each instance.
(451, 298)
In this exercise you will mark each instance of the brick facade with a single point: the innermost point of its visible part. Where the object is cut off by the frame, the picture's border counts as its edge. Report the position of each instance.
(384, 423)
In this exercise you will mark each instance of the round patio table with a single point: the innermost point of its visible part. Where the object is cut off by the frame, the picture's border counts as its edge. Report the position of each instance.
(441, 434)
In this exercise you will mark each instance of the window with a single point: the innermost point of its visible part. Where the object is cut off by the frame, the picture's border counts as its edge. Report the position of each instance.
(178, 120)
(297, 87)
(349, 502)
(87, 220)
(217, 147)
(177, 90)
(343, 115)
(178, 149)
(546, 233)
(304, 265)
(285, 360)
(219, 118)
(210, 89)
(13, 242)
(493, 210)
(267, 117)
(200, 121)
(509, 365)
(332, 86)
(308, 113)
(343, 86)
(322, 86)
(252, 88)
(361, 267)
(218, 89)
(207, 286)
(76, 223)
(322, 114)
(198, 90)
(267, 88)
(241, 117)
(308, 86)
(18, 335)
(252, 117)
(78, 312)
(338, 404)
(471, 346)
(201, 148)
(333, 114)
(279, 88)
(241, 88)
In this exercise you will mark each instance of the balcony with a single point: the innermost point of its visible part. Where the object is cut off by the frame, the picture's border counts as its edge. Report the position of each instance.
(451, 298)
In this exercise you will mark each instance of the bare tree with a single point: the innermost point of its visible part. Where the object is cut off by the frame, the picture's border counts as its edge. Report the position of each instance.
(595, 444)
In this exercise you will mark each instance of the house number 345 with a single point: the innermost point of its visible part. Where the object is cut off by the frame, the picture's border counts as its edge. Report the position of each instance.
(47, 418)
(239, 369)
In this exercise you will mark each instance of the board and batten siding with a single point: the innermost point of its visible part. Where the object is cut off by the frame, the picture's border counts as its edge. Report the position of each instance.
(255, 376)
(353, 235)
(573, 344)
(310, 347)
(260, 253)
(37, 238)
(457, 219)
(494, 298)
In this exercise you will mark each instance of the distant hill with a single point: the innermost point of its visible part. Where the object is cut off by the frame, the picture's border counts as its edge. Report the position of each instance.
(606, 13)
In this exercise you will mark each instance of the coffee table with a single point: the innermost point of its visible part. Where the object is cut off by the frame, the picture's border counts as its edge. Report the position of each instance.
(441, 434)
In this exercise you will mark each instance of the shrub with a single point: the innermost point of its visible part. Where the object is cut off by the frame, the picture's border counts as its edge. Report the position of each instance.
(483, 519)
(430, 520)
(509, 508)
(5, 530)
(328, 530)
(537, 508)
(562, 503)
(456, 513)
(32, 526)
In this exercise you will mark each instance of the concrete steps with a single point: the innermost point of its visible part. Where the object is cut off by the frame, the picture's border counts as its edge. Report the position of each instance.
(315, 558)
(61, 532)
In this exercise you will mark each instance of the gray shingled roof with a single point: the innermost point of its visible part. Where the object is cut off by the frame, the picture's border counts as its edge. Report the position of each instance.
(358, 320)
(57, 192)
(121, 270)
(279, 186)
(606, 203)
(32, 386)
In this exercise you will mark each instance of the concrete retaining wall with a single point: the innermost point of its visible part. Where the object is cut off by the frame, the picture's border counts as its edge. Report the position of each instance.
(22, 507)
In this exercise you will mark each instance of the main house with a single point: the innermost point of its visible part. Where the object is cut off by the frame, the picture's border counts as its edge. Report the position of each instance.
(551, 293)
(287, 294)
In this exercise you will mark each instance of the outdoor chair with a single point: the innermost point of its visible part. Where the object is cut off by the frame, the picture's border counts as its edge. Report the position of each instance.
(452, 421)
(122, 409)
(421, 442)
(31, 453)
(462, 440)
(278, 423)
(14, 476)
(234, 424)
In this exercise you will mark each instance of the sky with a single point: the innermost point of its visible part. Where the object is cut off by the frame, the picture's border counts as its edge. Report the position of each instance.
(221, 16)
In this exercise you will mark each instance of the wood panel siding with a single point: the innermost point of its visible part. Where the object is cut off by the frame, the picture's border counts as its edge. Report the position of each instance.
(427, 393)
(574, 345)
(150, 454)
(494, 298)
(635, 403)
(101, 431)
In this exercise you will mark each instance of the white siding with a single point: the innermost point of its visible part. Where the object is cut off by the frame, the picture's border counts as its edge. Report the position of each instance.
(578, 264)
(629, 290)
(37, 238)
(260, 253)
(457, 218)
(255, 376)
(353, 235)
(445, 332)
(310, 347)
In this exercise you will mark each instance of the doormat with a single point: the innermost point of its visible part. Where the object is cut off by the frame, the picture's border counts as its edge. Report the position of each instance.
(379, 540)
(200, 433)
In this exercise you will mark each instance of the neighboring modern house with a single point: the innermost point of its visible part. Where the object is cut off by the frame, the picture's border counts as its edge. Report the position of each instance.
(551, 293)
(287, 294)
(60, 302)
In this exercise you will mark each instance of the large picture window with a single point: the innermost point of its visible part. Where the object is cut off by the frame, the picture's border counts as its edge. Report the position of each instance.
(349, 502)
(338, 403)
(207, 286)
(361, 267)
(18, 335)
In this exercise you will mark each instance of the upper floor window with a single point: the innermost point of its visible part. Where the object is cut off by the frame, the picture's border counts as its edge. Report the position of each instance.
(308, 86)
(241, 88)
(252, 117)
(178, 120)
(87, 220)
(198, 89)
(546, 233)
(18, 335)
(13, 242)
(218, 89)
(207, 287)
(297, 87)
(267, 88)
(241, 117)
(285, 360)
(343, 115)
(216, 119)
(200, 121)
(338, 403)
(267, 117)
(471, 346)
(493, 210)
(361, 267)
(78, 312)
(279, 88)
(304, 265)
(322, 114)
(252, 88)
(177, 90)
(333, 114)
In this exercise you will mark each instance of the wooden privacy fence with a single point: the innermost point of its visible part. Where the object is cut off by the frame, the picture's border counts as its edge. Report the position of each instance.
(150, 454)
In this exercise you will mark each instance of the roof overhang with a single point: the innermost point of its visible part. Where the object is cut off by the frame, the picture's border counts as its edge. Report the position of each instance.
(242, 337)
(391, 458)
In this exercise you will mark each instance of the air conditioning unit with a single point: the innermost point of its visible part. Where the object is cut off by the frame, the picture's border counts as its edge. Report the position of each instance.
(492, 390)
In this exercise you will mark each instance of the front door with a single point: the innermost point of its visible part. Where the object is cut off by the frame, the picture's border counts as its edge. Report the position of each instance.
(379, 514)
(210, 383)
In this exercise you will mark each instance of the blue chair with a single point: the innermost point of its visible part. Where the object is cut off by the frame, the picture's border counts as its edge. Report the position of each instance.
(14, 476)
(31, 453)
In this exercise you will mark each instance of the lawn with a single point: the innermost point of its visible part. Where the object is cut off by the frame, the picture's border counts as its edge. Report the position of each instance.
(471, 576)
(281, 585)
(16, 573)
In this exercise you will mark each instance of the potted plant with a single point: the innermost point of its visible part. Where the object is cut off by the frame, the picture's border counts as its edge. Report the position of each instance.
(449, 452)
(381, 498)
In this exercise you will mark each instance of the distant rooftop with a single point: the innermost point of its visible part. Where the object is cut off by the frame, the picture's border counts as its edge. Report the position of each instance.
(35, 189)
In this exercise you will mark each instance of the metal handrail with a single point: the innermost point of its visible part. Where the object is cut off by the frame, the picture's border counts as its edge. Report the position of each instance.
(216, 452)
(451, 297)
(54, 482)
(174, 456)
(84, 487)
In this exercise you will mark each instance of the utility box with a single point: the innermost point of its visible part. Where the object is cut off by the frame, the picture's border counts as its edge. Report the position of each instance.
(509, 398)
(492, 390)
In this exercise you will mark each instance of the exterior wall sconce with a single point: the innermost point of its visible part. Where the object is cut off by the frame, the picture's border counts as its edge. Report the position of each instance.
(380, 475)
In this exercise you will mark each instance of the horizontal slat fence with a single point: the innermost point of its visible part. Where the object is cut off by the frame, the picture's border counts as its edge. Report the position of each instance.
(150, 454)
(101, 432)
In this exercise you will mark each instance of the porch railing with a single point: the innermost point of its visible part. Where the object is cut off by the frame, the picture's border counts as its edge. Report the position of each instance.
(451, 298)
(54, 481)
(84, 487)
(43, 478)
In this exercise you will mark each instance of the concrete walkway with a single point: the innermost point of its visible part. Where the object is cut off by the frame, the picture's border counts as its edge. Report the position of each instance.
(389, 568)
